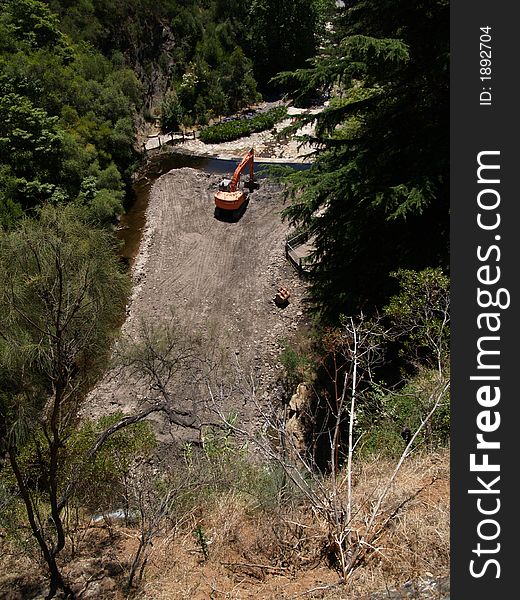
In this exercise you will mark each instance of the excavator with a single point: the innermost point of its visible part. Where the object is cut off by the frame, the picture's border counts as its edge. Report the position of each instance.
(230, 200)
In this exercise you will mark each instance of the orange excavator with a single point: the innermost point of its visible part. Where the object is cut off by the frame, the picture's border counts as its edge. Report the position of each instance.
(230, 200)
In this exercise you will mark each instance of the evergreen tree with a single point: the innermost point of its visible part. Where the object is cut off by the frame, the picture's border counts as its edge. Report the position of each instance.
(282, 35)
(377, 198)
(62, 293)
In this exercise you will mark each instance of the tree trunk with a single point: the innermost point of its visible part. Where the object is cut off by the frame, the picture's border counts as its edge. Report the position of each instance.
(56, 580)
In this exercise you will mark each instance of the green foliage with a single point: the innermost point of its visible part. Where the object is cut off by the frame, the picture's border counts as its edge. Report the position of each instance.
(33, 22)
(233, 130)
(58, 277)
(406, 409)
(420, 316)
(29, 140)
(282, 35)
(101, 195)
(324, 10)
(104, 208)
(172, 114)
(65, 110)
(420, 324)
(165, 41)
(225, 466)
(211, 74)
(10, 210)
(402, 366)
(381, 172)
(297, 365)
(62, 293)
(100, 482)
(202, 541)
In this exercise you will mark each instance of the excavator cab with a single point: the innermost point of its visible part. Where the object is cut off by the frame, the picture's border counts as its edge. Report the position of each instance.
(224, 185)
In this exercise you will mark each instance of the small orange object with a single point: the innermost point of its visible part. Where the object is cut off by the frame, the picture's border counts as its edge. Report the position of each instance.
(282, 296)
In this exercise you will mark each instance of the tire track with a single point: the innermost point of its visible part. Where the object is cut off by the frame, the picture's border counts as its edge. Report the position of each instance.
(217, 276)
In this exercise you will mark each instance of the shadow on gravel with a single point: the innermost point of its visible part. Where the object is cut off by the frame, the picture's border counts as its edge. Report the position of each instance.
(230, 216)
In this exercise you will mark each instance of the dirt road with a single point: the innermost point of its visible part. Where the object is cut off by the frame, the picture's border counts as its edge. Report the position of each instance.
(215, 275)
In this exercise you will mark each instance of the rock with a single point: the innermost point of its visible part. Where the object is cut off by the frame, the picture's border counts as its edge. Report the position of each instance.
(84, 569)
(299, 399)
(104, 588)
(297, 423)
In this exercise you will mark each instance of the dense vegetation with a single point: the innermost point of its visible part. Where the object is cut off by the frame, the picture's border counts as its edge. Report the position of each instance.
(232, 130)
(377, 197)
(66, 118)
(231, 50)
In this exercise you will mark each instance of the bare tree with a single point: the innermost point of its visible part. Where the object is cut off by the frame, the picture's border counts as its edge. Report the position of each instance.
(170, 362)
(154, 509)
(359, 346)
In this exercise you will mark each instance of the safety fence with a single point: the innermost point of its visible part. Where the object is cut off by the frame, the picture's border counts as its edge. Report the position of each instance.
(298, 250)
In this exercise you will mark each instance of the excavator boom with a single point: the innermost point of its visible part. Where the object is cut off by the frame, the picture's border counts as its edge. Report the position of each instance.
(247, 160)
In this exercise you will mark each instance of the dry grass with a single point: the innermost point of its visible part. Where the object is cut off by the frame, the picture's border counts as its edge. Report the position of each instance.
(278, 554)
(264, 556)
(416, 542)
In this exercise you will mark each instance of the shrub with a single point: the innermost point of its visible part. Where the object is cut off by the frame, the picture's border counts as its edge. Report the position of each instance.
(171, 113)
(233, 130)
(406, 409)
(297, 365)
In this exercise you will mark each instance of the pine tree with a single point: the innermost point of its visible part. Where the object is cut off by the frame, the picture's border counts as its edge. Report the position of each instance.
(377, 196)
(282, 35)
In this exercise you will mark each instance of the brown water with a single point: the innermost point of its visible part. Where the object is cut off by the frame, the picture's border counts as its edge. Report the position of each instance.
(133, 222)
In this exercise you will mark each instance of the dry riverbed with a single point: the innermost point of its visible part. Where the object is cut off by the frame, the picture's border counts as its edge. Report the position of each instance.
(219, 278)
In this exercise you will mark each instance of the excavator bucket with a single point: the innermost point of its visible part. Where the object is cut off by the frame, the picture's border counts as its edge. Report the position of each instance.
(251, 185)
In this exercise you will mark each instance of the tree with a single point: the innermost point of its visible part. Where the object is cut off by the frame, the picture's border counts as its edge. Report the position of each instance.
(420, 315)
(33, 21)
(66, 110)
(354, 524)
(30, 141)
(171, 113)
(377, 196)
(282, 36)
(61, 296)
(170, 359)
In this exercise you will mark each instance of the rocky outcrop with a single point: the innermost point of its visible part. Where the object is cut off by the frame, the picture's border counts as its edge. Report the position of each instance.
(298, 421)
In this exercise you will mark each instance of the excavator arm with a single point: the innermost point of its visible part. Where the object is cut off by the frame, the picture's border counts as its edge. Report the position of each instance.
(247, 160)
